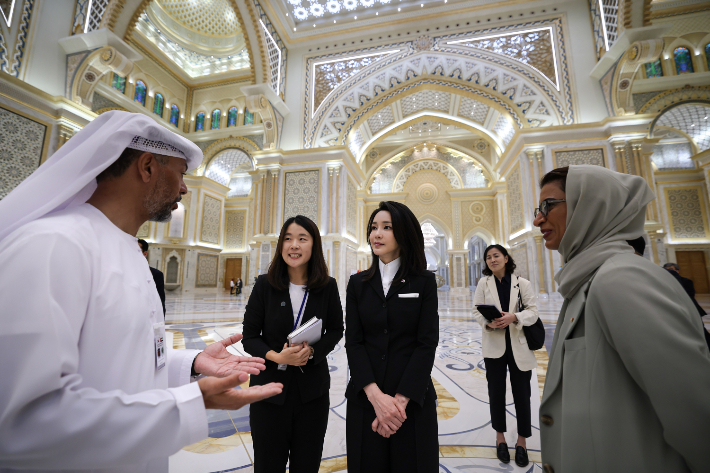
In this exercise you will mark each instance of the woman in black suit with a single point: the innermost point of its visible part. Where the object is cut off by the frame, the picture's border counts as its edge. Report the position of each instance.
(291, 426)
(391, 338)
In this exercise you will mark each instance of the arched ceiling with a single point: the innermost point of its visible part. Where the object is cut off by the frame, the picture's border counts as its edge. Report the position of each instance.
(691, 119)
(463, 170)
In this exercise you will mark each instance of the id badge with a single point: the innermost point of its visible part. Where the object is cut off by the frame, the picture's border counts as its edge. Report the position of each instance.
(159, 348)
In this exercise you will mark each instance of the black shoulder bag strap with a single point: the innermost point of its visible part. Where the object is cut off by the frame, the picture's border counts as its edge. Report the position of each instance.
(535, 333)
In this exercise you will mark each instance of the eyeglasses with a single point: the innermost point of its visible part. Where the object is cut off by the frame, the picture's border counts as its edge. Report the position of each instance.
(545, 206)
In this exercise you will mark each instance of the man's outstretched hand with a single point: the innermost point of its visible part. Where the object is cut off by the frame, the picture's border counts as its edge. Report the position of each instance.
(217, 393)
(217, 361)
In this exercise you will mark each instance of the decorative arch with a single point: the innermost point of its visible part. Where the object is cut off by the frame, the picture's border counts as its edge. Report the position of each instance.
(675, 96)
(93, 68)
(421, 164)
(178, 279)
(382, 160)
(639, 53)
(444, 59)
(437, 222)
(241, 143)
(689, 118)
(493, 139)
(479, 232)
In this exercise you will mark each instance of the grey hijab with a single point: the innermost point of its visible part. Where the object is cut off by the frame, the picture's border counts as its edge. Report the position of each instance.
(604, 209)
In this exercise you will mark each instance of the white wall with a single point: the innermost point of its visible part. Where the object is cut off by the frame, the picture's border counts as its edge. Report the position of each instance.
(46, 60)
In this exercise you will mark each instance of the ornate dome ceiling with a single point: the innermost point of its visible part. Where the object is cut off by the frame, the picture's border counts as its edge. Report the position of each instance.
(201, 37)
(207, 17)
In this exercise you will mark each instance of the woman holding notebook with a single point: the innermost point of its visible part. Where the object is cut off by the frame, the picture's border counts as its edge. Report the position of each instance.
(391, 338)
(505, 347)
(291, 426)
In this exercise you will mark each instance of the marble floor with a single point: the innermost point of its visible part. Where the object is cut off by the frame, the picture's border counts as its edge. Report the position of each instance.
(466, 439)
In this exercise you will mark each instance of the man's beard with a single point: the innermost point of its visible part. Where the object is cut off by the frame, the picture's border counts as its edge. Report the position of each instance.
(159, 203)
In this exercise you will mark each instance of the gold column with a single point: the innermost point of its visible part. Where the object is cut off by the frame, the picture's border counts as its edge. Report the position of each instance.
(531, 156)
(337, 199)
(274, 220)
(540, 262)
(64, 134)
(336, 259)
(330, 200)
(620, 161)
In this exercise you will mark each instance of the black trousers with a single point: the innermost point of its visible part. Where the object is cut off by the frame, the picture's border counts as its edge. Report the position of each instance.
(496, 372)
(292, 432)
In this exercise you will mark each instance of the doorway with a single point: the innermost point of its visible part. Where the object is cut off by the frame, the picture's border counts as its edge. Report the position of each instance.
(692, 266)
(232, 269)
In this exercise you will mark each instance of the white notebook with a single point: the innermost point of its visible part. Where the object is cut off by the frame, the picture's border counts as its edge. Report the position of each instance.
(308, 332)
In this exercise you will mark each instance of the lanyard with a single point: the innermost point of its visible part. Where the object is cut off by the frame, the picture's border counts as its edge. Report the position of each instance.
(300, 311)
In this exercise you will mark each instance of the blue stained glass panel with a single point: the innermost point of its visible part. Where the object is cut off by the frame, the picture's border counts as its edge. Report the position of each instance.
(216, 119)
(174, 115)
(707, 54)
(248, 117)
(683, 61)
(158, 104)
(232, 116)
(119, 83)
(140, 93)
(200, 122)
(653, 69)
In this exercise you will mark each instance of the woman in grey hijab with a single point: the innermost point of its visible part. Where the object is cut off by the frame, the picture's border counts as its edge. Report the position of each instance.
(629, 371)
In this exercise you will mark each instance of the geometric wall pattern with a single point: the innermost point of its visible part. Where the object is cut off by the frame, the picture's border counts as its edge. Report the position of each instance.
(301, 191)
(351, 203)
(21, 145)
(211, 213)
(235, 225)
(673, 156)
(425, 100)
(473, 110)
(593, 157)
(206, 270)
(383, 118)
(687, 212)
(514, 184)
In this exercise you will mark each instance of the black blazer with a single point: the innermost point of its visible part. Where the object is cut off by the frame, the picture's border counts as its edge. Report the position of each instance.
(267, 322)
(689, 288)
(392, 340)
(159, 285)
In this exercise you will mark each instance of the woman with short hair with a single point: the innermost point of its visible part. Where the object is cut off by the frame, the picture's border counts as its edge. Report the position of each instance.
(505, 347)
(629, 371)
(391, 338)
(291, 427)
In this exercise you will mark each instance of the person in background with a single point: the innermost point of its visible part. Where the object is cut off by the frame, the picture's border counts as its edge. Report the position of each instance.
(689, 288)
(232, 287)
(391, 335)
(240, 284)
(291, 427)
(505, 348)
(629, 372)
(157, 275)
(638, 244)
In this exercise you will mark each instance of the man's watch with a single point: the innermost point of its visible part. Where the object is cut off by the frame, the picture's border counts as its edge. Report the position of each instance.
(193, 373)
(312, 352)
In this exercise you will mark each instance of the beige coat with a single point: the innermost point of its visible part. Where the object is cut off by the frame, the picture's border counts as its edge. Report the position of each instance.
(494, 339)
(629, 376)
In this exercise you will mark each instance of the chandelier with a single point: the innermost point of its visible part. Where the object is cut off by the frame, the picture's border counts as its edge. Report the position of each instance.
(430, 234)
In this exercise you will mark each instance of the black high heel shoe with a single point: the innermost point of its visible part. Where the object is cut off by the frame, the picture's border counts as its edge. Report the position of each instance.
(503, 453)
(521, 456)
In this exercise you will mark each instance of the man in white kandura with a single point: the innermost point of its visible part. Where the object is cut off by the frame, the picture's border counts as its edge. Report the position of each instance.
(87, 383)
